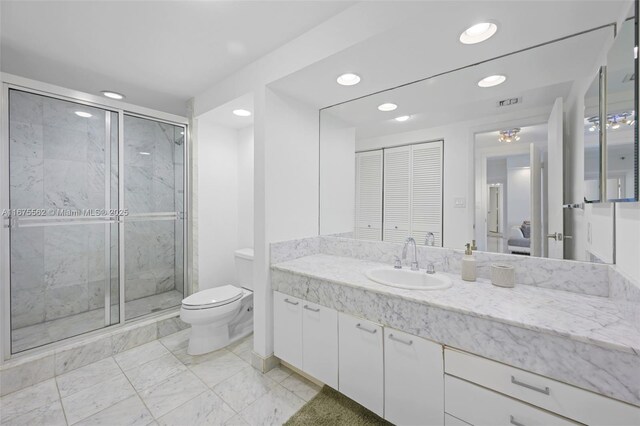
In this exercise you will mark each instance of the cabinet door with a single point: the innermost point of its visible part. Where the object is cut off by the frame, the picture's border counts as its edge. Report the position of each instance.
(361, 362)
(320, 343)
(287, 328)
(479, 406)
(414, 380)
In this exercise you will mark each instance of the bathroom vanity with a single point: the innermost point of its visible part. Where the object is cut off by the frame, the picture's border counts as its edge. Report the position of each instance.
(472, 353)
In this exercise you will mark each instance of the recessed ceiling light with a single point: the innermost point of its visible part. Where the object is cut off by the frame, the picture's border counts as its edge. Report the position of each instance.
(478, 33)
(387, 107)
(112, 95)
(83, 114)
(403, 118)
(492, 80)
(241, 112)
(348, 79)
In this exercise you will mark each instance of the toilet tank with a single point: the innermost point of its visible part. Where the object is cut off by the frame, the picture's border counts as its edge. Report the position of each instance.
(244, 267)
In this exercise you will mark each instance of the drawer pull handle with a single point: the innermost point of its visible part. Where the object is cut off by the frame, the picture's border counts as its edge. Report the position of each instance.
(358, 325)
(528, 386)
(308, 308)
(290, 302)
(514, 422)
(406, 342)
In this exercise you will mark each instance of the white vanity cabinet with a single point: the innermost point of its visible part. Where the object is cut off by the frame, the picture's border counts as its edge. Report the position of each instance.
(361, 362)
(305, 335)
(287, 328)
(413, 380)
(320, 343)
(479, 407)
(488, 383)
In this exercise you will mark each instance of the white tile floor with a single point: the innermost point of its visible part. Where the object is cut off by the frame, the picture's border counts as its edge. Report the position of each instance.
(160, 384)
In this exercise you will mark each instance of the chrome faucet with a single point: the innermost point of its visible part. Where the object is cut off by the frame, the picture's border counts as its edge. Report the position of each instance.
(414, 264)
(430, 241)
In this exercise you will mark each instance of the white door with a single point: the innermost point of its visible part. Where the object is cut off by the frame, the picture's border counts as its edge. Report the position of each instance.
(426, 191)
(287, 328)
(320, 343)
(397, 194)
(554, 229)
(493, 215)
(361, 362)
(413, 380)
(368, 224)
(536, 201)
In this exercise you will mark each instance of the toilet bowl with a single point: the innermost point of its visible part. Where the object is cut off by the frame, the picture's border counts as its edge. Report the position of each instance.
(221, 315)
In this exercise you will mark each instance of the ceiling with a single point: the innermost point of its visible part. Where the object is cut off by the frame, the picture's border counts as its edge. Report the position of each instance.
(537, 77)
(426, 44)
(223, 115)
(158, 53)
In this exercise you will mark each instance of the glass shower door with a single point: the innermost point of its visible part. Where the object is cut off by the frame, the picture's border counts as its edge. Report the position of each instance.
(154, 227)
(63, 199)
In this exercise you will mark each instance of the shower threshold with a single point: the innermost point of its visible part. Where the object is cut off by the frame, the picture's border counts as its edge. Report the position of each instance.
(36, 335)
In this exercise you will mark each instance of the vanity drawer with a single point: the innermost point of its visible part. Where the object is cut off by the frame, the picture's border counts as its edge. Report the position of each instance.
(569, 401)
(479, 406)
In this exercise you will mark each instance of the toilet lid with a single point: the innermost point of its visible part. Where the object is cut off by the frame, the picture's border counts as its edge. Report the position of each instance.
(213, 297)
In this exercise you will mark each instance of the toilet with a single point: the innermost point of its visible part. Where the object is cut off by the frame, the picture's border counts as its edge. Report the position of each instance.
(221, 315)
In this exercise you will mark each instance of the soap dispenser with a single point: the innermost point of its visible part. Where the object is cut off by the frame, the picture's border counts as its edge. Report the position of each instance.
(468, 264)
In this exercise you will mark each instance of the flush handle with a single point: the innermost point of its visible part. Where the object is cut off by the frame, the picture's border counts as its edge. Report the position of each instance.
(358, 325)
(290, 302)
(528, 386)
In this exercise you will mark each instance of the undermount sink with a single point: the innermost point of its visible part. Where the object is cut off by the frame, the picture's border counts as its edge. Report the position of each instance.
(405, 278)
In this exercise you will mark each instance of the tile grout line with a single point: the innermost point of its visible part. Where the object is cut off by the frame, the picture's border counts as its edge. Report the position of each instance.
(134, 390)
(205, 385)
(64, 412)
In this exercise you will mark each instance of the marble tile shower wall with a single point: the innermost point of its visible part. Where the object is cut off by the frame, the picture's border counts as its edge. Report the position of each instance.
(153, 184)
(57, 160)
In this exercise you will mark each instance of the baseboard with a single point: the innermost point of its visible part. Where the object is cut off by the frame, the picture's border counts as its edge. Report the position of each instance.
(302, 373)
(264, 364)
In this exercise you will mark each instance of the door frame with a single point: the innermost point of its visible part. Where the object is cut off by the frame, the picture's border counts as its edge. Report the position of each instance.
(10, 81)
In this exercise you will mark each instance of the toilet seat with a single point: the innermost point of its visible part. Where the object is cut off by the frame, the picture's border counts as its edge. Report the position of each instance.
(212, 297)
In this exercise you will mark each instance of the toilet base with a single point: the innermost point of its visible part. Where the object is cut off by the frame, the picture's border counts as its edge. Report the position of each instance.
(207, 338)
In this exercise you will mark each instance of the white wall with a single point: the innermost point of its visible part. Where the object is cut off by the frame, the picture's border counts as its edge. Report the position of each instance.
(518, 190)
(628, 239)
(217, 204)
(337, 168)
(245, 187)
(286, 192)
(225, 200)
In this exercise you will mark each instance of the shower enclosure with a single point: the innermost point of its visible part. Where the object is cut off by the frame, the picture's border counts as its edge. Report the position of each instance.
(93, 217)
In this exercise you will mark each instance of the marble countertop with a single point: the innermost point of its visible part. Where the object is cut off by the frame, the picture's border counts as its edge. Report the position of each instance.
(589, 319)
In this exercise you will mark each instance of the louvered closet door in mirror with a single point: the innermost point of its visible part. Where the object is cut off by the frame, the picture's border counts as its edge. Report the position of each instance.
(368, 224)
(426, 192)
(413, 192)
(397, 194)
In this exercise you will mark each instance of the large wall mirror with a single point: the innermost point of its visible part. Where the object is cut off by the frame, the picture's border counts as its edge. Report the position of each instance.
(486, 152)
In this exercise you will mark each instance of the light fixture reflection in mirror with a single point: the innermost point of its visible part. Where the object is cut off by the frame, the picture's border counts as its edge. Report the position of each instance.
(509, 136)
